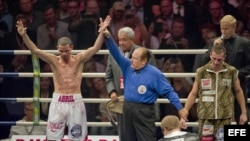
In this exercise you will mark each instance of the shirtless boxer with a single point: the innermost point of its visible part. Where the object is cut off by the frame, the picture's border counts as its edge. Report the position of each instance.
(66, 106)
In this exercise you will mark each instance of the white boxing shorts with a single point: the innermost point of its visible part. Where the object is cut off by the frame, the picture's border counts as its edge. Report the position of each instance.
(67, 109)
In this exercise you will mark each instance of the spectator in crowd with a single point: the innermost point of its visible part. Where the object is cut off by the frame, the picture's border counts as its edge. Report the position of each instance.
(117, 14)
(28, 130)
(39, 5)
(240, 27)
(216, 9)
(13, 87)
(204, 29)
(167, 11)
(46, 68)
(13, 40)
(133, 21)
(85, 25)
(90, 67)
(49, 32)
(23, 86)
(93, 110)
(142, 10)
(214, 13)
(238, 54)
(181, 85)
(243, 5)
(3, 31)
(153, 33)
(245, 34)
(156, 12)
(208, 34)
(82, 5)
(73, 11)
(231, 8)
(86, 85)
(88, 91)
(46, 91)
(171, 129)
(104, 6)
(92, 7)
(100, 91)
(186, 10)
(178, 40)
(216, 86)
(74, 14)
(159, 25)
(62, 10)
(35, 17)
(245, 12)
(141, 92)
(5, 16)
(113, 76)
(159, 32)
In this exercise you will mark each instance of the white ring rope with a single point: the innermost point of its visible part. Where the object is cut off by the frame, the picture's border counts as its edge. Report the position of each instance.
(88, 75)
(105, 124)
(98, 74)
(100, 124)
(90, 100)
(159, 51)
(98, 100)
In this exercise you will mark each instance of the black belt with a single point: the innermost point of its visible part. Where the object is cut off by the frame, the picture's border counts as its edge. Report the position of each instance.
(139, 103)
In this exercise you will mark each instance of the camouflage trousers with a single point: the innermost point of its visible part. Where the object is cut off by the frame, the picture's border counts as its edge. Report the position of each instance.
(212, 129)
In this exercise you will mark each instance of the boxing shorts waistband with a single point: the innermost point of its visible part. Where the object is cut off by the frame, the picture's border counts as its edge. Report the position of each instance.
(67, 97)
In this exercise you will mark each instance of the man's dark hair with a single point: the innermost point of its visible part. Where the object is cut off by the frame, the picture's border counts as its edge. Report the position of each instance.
(145, 53)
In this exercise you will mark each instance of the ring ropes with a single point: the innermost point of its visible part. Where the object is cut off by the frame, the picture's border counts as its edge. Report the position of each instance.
(36, 85)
